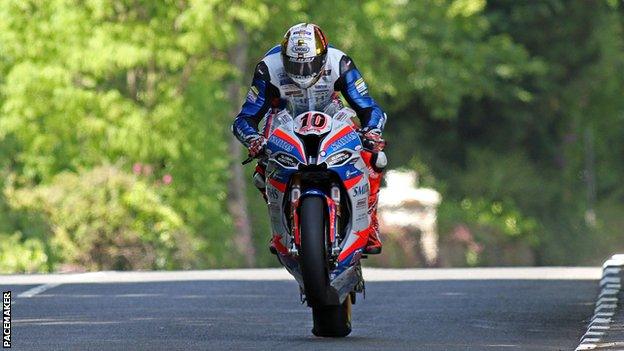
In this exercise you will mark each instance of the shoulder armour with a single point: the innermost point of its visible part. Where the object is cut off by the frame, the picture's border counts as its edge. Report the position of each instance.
(346, 64)
(262, 71)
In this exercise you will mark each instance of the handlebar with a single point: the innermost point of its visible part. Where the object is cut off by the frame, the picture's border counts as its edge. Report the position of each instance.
(247, 160)
(250, 158)
(365, 143)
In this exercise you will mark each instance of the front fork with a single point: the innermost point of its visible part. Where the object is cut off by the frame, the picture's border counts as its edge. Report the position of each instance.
(295, 233)
(333, 208)
(333, 205)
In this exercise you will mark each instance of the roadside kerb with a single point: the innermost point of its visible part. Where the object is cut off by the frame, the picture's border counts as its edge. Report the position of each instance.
(606, 328)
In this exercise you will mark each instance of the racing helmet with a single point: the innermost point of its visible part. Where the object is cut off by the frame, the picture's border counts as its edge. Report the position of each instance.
(304, 53)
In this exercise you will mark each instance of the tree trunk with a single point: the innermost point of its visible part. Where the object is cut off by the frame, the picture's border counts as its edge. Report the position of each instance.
(237, 198)
(590, 177)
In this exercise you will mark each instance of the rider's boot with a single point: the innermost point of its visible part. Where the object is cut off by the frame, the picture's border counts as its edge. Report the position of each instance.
(373, 246)
(259, 182)
(375, 169)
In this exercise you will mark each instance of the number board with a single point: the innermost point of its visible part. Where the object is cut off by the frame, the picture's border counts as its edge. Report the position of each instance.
(312, 122)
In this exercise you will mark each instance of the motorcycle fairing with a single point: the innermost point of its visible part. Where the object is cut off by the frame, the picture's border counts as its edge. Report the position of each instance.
(343, 138)
(281, 140)
(339, 140)
(352, 171)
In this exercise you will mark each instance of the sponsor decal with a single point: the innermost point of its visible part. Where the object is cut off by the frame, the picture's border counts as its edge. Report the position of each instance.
(252, 95)
(301, 32)
(282, 144)
(301, 49)
(6, 319)
(327, 72)
(338, 159)
(360, 190)
(344, 140)
(239, 131)
(286, 160)
(294, 93)
(272, 193)
(284, 79)
(349, 173)
(360, 86)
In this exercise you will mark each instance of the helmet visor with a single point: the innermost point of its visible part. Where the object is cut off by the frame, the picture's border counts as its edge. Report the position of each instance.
(298, 67)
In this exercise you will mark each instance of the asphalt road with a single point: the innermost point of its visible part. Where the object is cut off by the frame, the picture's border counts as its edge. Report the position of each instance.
(522, 309)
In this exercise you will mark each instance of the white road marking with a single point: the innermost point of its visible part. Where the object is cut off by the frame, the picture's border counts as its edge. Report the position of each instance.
(53, 283)
(370, 274)
(37, 290)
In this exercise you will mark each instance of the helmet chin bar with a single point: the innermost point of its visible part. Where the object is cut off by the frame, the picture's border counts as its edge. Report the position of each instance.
(304, 82)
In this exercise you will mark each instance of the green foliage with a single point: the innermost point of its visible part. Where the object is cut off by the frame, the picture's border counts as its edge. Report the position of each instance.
(107, 219)
(501, 217)
(90, 83)
(530, 140)
(498, 104)
(20, 255)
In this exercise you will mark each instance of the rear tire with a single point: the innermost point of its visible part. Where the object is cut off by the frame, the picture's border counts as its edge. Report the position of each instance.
(332, 321)
(329, 320)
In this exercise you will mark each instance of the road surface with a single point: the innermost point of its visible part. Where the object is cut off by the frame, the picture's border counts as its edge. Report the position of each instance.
(443, 309)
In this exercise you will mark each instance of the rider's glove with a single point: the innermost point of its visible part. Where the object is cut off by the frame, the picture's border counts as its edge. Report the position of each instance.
(256, 145)
(372, 139)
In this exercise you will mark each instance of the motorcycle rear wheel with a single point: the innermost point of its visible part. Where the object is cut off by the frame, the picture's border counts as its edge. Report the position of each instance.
(332, 321)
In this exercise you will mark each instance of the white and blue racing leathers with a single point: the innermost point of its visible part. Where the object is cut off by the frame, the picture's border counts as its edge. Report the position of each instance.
(271, 88)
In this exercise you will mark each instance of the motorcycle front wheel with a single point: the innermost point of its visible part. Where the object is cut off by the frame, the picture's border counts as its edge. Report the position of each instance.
(329, 320)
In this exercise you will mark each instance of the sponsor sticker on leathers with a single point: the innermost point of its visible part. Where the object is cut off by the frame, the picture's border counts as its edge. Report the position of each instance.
(360, 86)
(252, 95)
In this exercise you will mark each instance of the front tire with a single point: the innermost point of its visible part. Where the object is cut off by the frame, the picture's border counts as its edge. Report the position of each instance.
(329, 320)
(312, 253)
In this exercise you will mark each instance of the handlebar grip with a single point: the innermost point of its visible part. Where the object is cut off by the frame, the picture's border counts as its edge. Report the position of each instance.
(250, 158)
(247, 160)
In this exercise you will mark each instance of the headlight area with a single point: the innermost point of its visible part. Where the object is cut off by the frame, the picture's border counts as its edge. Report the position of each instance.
(338, 158)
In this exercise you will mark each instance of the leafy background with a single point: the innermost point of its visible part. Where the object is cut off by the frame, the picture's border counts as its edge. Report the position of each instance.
(115, 150)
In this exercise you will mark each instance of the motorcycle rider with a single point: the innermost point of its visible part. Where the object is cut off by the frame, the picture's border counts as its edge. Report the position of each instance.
(305, 73)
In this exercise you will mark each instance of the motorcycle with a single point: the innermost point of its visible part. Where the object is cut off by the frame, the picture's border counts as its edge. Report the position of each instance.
(317, 192)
